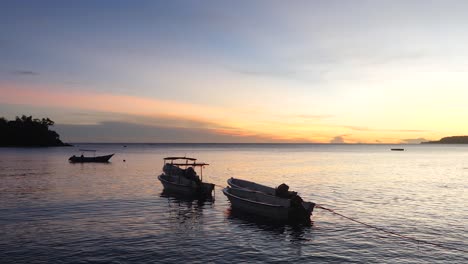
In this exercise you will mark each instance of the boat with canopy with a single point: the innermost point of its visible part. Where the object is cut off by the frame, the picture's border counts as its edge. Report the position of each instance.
(179, 176)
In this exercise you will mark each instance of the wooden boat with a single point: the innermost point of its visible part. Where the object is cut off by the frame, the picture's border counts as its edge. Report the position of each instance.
(269, 206)
(81, 159)
(181, 178)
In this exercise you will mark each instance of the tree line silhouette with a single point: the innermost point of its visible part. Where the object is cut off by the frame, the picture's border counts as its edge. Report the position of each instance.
(25, 131)
(450, 140)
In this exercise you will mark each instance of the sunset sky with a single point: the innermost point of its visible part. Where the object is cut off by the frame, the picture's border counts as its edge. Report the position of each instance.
(238, 71)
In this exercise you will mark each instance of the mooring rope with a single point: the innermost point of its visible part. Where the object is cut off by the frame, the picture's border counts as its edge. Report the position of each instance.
(391, 232)
(384, 230)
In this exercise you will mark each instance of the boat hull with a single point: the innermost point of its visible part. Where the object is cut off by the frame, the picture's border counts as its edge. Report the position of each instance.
(266, 205)
(397, 149)
(244, 184)
(75, 159)
(185, 187)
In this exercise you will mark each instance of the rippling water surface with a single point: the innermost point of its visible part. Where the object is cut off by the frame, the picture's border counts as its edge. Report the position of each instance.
(55, 212)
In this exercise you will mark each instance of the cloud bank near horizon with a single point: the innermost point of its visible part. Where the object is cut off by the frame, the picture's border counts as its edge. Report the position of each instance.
(119, 132)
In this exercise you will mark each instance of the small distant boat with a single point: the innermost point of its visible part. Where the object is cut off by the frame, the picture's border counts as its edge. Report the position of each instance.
(397, 149)
(272, 207)
(181, 177)
(82, 158)
(78, 159)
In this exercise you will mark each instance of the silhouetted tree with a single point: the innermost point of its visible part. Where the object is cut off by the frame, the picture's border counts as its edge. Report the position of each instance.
(26, 131)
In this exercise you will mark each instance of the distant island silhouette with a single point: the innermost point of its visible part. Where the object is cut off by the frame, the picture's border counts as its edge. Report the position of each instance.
(449, 140)
(25, 131)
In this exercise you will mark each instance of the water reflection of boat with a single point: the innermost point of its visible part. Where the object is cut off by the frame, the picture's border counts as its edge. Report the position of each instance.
(181, 178)
(182, 197)
(270, 206)
(295, 230)
(185, 213)
(82, 158)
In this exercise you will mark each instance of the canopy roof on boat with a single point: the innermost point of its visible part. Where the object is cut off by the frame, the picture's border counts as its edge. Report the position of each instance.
(176, 158)
(190, 164)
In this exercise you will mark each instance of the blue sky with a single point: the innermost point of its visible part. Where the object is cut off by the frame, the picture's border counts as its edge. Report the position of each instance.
(254, 71)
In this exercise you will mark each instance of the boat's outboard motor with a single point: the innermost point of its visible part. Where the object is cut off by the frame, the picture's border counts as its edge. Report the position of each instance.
(299, 212)
(282, 190)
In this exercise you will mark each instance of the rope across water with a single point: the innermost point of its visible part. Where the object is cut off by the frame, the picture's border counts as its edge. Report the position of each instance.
(384, 230)
(391, 232)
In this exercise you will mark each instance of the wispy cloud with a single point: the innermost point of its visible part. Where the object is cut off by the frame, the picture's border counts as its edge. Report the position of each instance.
(314, 116)
(142, 133)
(359, 128)
(50, 96)
(266, 71)
(93, 110)
(25, 72)
(414, 140)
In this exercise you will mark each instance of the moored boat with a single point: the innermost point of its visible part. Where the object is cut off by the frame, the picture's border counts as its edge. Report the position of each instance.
(181, 177)
(82, 159)
(270, 206)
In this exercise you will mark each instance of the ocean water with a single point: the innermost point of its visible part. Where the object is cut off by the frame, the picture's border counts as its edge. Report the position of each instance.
(55, 212)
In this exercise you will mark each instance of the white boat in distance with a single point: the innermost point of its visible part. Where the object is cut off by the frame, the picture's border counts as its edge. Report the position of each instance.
(269, 206)
(181, 177)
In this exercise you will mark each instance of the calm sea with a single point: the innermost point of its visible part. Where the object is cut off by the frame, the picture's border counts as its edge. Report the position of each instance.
(55, 212)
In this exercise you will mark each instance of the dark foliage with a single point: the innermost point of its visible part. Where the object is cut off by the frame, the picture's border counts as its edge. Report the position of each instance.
(25, 131)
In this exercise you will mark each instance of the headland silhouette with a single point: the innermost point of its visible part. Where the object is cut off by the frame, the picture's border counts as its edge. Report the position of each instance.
(26, 131)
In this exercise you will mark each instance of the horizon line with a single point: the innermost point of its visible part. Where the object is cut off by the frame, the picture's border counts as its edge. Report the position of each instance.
(242, 143)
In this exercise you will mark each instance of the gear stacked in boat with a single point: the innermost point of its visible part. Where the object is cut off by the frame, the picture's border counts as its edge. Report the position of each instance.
(276, 203)
(179, 176)
(283, 191)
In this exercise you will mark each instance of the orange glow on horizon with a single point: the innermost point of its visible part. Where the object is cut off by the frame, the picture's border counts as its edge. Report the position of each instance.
(222, 121)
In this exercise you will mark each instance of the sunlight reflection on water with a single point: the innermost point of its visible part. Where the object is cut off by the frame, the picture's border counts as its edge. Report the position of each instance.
(53, 211)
